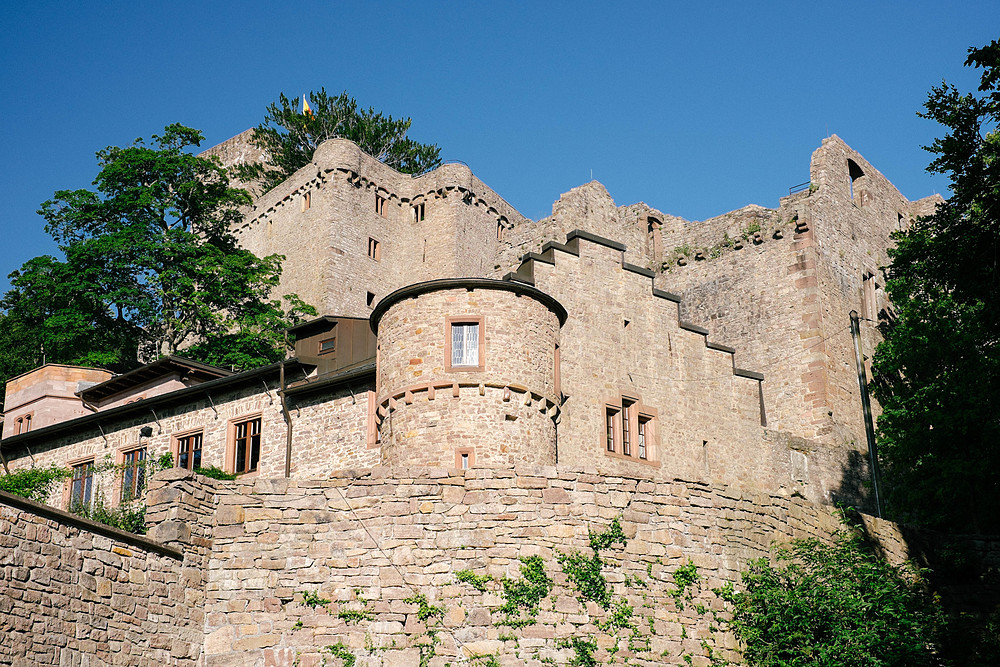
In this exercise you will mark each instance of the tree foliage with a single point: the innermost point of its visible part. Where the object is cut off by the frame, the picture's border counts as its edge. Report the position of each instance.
(937, 373)
(149, 263)
(289, 137)
(833, 605)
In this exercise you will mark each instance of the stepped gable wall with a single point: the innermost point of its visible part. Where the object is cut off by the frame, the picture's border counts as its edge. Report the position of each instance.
(444, 223)
(497, 413)
(624, 341)
(369, 544)
(77, 592)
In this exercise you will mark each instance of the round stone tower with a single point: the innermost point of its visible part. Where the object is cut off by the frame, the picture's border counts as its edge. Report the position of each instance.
(467, 374)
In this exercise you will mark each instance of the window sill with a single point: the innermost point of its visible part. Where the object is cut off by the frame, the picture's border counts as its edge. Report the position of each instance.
(633, 459)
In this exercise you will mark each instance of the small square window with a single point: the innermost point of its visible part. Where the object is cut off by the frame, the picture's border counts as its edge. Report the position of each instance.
(328, 346)
(246, 445)
(465, 458)
(374, 249)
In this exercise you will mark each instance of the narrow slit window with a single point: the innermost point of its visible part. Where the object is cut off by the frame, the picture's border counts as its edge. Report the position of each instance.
(380, 204)
(374, 249)
(610, 417)
(369, 298)
(306, 201)
(419, 212)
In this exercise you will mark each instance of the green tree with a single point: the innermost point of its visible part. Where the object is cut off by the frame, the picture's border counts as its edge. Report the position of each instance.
(151, 264)
(289, 137)
(937, 373)
(833, 605)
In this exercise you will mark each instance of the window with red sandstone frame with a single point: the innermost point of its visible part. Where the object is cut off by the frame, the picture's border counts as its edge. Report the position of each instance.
(629, 429)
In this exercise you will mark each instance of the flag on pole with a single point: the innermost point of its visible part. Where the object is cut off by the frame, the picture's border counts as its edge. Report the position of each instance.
(306, 111)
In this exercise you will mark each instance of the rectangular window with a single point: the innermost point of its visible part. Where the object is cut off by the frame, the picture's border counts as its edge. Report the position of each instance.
(869, 304)
(380, 204)
(22, 424)
(418, 212)
(374, 251)
(306, 201)
(627, 427)
(133, 474)
(246, 438)
(611, 419)
(465, 344)
(328, 346)
(645, 425)
(82, 484)
(189, 451)
(465, 458)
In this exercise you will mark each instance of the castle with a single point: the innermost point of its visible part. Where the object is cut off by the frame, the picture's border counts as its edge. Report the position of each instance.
(618, 342)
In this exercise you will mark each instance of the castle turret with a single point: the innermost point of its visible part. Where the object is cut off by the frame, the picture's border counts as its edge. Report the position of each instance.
(467, 374)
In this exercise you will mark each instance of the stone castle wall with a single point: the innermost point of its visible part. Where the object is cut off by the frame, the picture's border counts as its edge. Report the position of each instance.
(329, 430)
(372, 544)
(79, 593)
(441, 224)
(272, 572)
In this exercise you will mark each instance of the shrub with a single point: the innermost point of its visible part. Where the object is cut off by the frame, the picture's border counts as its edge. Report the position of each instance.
(827, 605)
(127, 516)
(34, 483)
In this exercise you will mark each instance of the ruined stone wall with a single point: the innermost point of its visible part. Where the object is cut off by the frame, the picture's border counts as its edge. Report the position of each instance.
(779, 285)
(588, 208)
(370, 545)
(79, 593)
(499, 412)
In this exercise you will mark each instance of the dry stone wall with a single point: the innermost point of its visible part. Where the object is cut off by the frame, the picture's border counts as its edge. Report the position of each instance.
(370, 564)
(77, 593)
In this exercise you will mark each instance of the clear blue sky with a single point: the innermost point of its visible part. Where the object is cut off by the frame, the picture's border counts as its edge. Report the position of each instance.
(696, 108)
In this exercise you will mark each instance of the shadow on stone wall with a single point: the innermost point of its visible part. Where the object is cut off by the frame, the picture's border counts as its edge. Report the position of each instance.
(854, 489)
(963, 573)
